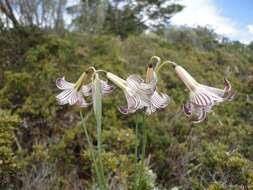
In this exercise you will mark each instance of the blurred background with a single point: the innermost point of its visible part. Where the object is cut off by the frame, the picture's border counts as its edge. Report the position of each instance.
(42, 146)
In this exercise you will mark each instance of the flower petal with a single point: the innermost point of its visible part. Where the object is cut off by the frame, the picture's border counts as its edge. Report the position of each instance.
(137, 83)
(64, 96)
(68, 96)
(87, 89)
(227, 85)
(151, 109)
(217, 91)
(187, 109)
(140, 94)
(106, 88)
(160, 101)
(62, 84)
(201, 99)
(230, 96)
(136, 78)
(82, 103)
(133, 104)
(201, 111)
(123, 110)
(133, 82)
(62, 101)
(73, 98)
(201, 116)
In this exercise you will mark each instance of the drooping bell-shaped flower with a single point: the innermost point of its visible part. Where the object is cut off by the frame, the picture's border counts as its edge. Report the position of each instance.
(140, 93)
(75, 93)
(202, 98)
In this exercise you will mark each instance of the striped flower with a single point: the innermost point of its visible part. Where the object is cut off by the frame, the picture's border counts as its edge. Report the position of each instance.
(202, 98)
(75, 93)
(140, 93)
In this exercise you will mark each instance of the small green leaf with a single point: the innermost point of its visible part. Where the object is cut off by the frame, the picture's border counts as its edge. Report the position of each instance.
(97, 100)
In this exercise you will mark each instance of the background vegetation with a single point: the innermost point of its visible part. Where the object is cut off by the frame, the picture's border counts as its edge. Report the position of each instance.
(42, 146)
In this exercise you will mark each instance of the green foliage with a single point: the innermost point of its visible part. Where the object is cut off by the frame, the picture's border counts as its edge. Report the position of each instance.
(216, 154)
(8, 162)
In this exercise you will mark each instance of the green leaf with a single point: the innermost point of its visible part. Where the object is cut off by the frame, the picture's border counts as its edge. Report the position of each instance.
(97, 100)
(97, 106)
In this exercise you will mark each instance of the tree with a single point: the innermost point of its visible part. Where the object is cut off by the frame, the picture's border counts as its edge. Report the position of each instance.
(88, 15)
(5, 7)
(122, 16)
(251, 45)
(40, 13)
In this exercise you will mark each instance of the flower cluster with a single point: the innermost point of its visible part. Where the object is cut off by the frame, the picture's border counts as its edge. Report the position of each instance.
(140, 93)
(75, 93)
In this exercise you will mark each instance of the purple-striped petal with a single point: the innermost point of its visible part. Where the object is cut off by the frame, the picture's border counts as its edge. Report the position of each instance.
(201, 116)
(230, 96)
(160, 101)
(137, 83)
(62, 101)
(82, 103)
(139, 94)
(123, 110)
(201, 99)
(136, 78)
(106, 88)
(227, 85)
(133, 104)
(87, 89)
(201, 103)
(216, 91)
(73, 98)
(133, 82)
(62, 84)
(64, 96)
(187, 109)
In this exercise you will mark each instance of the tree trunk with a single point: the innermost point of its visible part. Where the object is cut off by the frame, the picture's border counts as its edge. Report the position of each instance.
(7, 10)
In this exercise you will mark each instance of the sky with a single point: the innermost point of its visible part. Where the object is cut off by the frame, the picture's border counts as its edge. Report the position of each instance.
(230, 18)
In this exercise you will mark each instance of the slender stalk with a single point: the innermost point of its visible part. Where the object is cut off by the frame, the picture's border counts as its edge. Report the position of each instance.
(17, 142)
(93, 154)
(136, 154)
(164, 63)
(101, 168)
(97, 106)
(143, 151)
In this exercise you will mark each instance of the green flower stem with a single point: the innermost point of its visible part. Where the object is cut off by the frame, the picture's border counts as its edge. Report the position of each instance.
(164, 63)
(99, 147)
(143, 151)
(93, 154)
(136, 154)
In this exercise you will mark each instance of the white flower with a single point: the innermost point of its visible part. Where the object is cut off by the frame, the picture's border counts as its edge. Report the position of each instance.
(74, 93)
(202, 98)
(140, 94)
